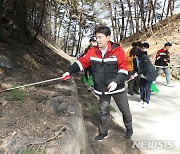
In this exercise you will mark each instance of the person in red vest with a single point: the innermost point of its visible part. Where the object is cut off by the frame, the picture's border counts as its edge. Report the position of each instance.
(110, 69)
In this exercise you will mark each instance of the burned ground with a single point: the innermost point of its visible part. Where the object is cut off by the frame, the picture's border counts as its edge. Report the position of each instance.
(36, 113)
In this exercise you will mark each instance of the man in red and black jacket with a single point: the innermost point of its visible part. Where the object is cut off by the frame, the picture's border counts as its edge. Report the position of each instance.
(162, 61)
(110, 70)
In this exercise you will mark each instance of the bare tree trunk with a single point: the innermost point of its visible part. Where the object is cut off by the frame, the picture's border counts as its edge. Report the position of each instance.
(138, 17)
(163, 9)
(119, 29)
(126, 27)
(68, 32)
(41, 19)
(60, 24)
(135, 16)
(112, 21)
(172, 7)
(55, 25)
(82, 34)
(168, 8)
(80, 31)
(123, 17)
(19, 18)
(154, 14)
(74, 40)
(149, 12)
(130, 18)
(142, 15)
(116, 25)
(79, 41)
(47, 26)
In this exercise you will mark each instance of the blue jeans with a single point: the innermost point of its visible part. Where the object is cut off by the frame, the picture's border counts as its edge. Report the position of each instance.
(145, 92)
(166, 72)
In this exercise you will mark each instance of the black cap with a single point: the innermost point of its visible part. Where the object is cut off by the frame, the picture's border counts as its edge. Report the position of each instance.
(92, 39)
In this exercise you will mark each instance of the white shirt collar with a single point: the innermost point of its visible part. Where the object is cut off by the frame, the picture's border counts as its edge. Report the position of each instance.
(103, 52)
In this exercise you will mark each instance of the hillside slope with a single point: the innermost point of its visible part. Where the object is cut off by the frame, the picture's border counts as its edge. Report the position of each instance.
(40, 118)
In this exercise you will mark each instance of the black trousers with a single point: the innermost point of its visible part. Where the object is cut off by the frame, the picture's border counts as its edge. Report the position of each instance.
(87, 72)
(131, 82)
(123, 105)
(136, 85)
(133, 85)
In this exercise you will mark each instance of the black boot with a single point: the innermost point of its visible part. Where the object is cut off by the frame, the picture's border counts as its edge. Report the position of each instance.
(129, 132)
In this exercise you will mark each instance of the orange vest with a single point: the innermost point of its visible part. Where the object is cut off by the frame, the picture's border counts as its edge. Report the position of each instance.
(129, 60)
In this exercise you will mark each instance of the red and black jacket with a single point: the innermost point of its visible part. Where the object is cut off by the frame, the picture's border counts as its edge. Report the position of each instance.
(113, 67)
(162, 58)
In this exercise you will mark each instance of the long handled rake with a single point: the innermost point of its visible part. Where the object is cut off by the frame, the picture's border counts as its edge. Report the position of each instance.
(35, 83)
(31, 84)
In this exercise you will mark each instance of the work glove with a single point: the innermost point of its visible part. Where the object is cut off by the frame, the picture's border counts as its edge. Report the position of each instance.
(112, 86)
(66, 76)
(133, 76)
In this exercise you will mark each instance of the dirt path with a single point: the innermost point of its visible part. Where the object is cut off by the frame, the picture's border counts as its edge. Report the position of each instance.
(116, 143)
